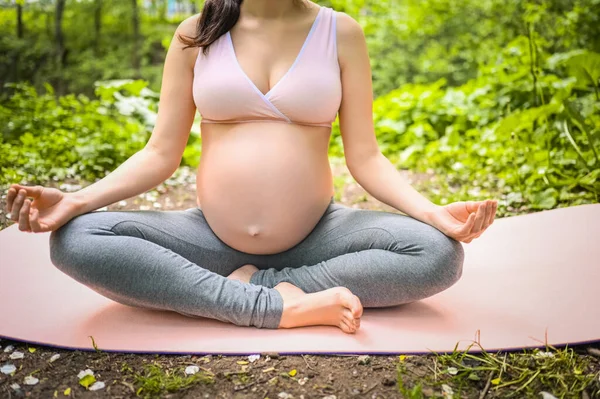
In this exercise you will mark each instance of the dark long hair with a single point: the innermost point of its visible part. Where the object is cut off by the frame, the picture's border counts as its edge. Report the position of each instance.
(217, 18)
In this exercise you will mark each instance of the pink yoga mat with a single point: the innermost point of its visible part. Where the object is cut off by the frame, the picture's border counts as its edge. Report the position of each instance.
(527, 279)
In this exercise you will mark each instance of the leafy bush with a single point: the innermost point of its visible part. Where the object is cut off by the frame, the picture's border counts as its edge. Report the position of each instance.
(48, 138)
(499, 134)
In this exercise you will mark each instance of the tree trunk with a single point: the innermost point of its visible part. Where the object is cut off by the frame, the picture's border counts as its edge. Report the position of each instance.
(19, 20)
(136, 40)
(97, 26)
(60, 46)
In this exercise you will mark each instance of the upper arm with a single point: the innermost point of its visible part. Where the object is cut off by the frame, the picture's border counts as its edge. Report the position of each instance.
(356, 109)
(176, 108)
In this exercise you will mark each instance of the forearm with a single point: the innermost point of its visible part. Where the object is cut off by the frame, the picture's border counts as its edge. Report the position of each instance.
(143, 171)
(380, 178)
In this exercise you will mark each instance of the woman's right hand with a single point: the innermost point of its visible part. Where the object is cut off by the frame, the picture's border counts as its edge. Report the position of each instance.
(49, 210)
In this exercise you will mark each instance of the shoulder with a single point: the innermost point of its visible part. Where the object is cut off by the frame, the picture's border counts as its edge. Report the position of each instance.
(348, 29)
(351, 42)
(189, 26)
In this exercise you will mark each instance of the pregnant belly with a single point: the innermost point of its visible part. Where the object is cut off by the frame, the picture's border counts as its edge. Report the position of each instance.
(263, 187)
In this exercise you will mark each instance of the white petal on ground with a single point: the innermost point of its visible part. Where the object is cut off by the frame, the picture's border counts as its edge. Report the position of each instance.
(447, 390)
(546, 395)
(17, 355)
(302, 380)
(85, 372)
(253, 358)
(192, 370)
(284, 395)
(30, 380)
(544, 354)
(97, 385)
(15, 386)
(452, 370)
(54, 357)
(9, 348)
(8, 369)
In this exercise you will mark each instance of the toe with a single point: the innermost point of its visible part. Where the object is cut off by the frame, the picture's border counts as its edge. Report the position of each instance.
(357, 309)
(347, 326)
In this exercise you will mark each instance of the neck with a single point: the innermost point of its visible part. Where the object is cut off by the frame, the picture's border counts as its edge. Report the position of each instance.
(269, 9)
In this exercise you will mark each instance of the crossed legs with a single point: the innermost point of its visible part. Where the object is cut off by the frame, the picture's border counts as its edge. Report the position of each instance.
(171, 260)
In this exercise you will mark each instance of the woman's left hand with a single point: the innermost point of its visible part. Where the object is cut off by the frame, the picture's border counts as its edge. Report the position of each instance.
(464, 220)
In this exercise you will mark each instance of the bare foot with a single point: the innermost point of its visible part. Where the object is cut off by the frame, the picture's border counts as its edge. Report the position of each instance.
(244, 273)
(333, 307)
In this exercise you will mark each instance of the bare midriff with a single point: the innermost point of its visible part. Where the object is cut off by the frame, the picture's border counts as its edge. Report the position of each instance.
(263, 186)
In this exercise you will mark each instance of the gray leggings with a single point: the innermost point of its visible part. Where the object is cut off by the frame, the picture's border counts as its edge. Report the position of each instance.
(172, 260)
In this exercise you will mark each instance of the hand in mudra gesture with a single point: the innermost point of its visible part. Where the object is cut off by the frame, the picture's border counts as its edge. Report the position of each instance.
(464, 220)
(49, 210)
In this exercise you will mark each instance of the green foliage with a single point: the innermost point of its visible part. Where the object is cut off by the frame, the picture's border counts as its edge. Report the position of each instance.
(488, 137)
(48, 138)
(500, 98)
(155, 381)
(89, 56)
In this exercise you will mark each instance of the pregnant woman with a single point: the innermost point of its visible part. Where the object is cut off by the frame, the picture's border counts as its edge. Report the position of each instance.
(266, 245)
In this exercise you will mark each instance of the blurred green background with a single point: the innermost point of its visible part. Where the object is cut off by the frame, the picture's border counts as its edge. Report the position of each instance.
(494, 98)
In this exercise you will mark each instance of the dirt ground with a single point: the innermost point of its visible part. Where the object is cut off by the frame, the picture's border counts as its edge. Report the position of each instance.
(270, 376)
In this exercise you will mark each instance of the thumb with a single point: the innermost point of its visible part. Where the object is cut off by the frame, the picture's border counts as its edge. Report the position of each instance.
(32, 191)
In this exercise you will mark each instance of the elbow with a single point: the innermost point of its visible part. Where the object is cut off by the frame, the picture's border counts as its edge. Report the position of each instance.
(165, 163)
(360, 162)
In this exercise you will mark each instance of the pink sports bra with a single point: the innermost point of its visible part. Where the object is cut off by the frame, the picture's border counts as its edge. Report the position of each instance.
(309, 93)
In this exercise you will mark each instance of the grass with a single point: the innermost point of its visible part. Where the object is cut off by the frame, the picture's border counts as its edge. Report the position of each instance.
(155, 380)
(559, 372)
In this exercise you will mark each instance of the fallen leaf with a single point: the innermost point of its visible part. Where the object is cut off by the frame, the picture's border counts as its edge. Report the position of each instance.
(85, 372)
(242, 362)
(447, 390)
(67, 392)
(292, 372)
(87, 380)
(31, 350)
(495, 381)
(8, 369)
(30, 380)
(97, 386)
(253, 358)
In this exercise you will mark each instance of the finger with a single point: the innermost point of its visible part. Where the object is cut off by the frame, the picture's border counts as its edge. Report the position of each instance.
(31, 191)
(479, 219)
(494, 210)
(24, 216)
(465, 231)
(34, 221)
(471, 206)
(489, 214)
(17, 204)
(11, 194)
(486, 217)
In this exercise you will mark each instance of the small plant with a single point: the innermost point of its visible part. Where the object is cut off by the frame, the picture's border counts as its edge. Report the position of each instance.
(154, 380)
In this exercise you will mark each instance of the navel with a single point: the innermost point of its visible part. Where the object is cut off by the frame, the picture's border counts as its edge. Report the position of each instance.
(254, 230)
